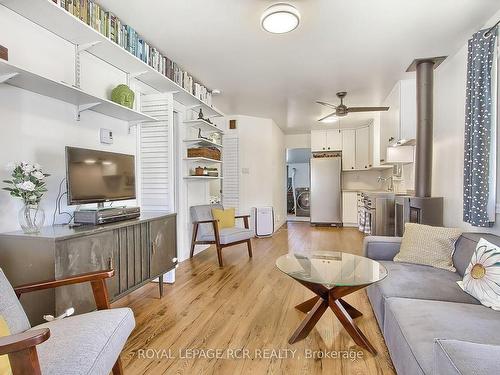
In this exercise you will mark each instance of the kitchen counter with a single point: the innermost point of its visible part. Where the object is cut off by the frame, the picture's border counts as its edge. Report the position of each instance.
(369, 191)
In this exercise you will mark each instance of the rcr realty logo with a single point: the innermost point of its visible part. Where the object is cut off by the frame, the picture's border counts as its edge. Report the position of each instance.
(242, 353)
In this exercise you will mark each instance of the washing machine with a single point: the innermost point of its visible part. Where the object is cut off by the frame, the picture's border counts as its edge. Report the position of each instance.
(303, 203)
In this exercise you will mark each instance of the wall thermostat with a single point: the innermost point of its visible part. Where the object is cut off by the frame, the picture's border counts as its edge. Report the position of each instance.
(106, 136)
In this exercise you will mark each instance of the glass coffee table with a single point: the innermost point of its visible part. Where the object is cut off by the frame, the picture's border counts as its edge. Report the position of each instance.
(331, 275)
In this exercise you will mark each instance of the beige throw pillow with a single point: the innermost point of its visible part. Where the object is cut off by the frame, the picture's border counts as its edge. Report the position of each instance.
(429, 246)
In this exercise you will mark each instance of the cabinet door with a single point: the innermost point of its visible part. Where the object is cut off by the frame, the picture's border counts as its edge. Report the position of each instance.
(163, 237)
(350, 207)
(389, 122)
(408, 109)
(348, 149)
(333, 140)
(318, 140)
(81, 255)
(131, 258)
(363, 148)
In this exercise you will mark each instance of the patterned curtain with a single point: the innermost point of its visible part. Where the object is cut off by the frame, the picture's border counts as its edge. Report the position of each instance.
(480, 131)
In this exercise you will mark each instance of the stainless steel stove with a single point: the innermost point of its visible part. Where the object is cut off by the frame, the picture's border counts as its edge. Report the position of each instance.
(376, 213)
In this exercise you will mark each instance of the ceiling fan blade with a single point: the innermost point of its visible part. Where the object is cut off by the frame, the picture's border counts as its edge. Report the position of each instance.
(367, 109)
(327, 104)
(330, 115)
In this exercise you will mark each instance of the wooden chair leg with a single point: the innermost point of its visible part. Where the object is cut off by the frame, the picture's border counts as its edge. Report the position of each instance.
(117, 368)
(160, 285)
(219, 255)
(193, 240)
(249, 245)
(25, 362)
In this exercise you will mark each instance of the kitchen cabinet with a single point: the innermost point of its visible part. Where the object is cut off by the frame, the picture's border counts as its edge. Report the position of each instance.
(326, 140)
(350, 208)
(399, 122)
(363, 148)
(348, 149)
(334, 140)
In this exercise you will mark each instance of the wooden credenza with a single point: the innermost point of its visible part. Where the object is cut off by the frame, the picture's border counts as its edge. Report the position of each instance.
(139, 251)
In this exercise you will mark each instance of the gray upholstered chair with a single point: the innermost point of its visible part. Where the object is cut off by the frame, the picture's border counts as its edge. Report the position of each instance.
(206, 231)
(83, 344)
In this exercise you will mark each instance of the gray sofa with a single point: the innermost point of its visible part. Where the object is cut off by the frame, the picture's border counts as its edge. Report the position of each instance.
(429, 324)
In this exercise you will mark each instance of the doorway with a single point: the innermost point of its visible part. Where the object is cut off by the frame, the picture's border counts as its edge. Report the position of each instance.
(298, 184)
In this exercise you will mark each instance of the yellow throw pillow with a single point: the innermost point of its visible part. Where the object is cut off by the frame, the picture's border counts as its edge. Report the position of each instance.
(4, 359)
(225, 217)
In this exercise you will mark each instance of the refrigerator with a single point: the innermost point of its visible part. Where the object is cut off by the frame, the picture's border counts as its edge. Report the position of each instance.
(326, 190)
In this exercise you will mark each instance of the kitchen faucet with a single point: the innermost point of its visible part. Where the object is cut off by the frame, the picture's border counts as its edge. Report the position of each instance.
(390, 179)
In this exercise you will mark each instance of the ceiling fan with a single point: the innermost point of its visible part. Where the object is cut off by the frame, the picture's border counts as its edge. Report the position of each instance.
(342, 110)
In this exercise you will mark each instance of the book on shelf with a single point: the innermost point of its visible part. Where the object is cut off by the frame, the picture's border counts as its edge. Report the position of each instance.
(107, 24)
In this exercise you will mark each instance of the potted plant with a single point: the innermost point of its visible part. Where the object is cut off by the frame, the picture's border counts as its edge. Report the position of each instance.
(28, 183)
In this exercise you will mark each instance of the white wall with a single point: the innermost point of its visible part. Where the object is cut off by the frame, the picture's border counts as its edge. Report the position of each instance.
(298, 140)
(449, 123)
(36, 128)
(262, 165)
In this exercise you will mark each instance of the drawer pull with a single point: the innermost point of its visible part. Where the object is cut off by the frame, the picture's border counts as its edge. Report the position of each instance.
(174, 260)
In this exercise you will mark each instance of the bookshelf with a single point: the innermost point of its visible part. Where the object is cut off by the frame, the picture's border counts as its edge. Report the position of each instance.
(202, 178)
(204, 160)
(57, 20)
(24, 79)
(203, 125)
(202, 142)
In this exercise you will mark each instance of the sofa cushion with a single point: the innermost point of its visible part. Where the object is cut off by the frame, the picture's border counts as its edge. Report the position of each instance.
(455, 357)
(412, 325)
(85, 344)
(230, 235)
(428, 245)
(415, 281)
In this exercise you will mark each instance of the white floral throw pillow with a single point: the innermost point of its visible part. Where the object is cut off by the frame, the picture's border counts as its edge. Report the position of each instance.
(482, 276)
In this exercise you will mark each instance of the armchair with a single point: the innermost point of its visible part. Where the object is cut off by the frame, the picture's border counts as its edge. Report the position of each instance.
(84, 344)
(206, 231)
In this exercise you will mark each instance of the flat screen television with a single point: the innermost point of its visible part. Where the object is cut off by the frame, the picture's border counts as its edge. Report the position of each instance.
(94, 176)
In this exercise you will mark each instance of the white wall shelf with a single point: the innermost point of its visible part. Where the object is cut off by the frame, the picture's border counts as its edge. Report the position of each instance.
(203, 125)
(52, 17)
(18, 77)
(202, 178)
(201, 141)
(204, 160)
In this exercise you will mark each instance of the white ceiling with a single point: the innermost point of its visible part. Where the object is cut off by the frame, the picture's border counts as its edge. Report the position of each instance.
(359, 46)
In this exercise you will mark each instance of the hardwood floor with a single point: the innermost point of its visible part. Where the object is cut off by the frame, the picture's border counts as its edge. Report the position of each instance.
(249, 306)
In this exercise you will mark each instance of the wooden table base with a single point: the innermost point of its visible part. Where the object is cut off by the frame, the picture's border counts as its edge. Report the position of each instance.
(345, 313)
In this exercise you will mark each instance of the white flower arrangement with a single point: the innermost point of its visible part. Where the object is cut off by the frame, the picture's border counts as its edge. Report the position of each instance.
(27, 182)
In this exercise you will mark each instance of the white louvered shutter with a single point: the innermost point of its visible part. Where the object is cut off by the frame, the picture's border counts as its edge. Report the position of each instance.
(155, 153)
(230, 171)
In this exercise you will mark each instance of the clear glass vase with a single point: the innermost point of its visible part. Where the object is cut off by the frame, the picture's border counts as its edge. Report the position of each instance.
(31, 218)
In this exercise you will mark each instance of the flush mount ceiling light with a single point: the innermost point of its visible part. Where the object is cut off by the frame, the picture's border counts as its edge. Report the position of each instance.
(280, 18)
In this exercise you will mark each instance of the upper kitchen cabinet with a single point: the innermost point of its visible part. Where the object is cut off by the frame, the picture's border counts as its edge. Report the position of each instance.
(348, 149)
(326, 140)
(398, 124)
(363, 148)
